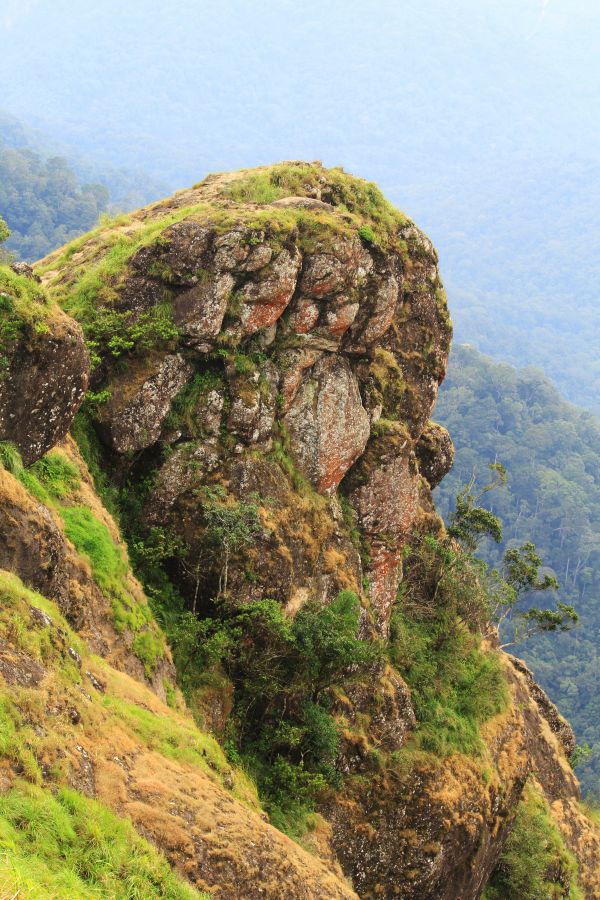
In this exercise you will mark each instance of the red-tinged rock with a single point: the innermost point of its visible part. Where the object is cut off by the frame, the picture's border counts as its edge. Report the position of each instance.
(338, 316)
(327, 423)
(265, 297)
(296, 362)
(383, 491)
(304, 315)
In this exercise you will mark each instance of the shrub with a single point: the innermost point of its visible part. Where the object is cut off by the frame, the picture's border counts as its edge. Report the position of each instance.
(282, 671)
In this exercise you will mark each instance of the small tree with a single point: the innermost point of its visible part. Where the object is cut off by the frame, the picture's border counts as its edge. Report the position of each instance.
(519, 575)
(4, 231)
(230, 526)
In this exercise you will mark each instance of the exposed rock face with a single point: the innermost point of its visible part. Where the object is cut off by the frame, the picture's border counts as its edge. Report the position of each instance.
(435, 453)
(312, 336)
(135, 413)
(44, 377)
(329, 345)
(328, 425)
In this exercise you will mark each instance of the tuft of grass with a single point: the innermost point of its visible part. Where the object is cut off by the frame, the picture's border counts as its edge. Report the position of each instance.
(92, 539)
(15, 742)
(72, 847)
(535, 863)
(57, 475)
(455, 685)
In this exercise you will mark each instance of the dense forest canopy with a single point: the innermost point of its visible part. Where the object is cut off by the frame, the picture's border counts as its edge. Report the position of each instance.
(551, 450)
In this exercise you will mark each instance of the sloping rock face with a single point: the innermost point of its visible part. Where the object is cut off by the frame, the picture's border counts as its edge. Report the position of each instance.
(44, 367)
(281, 360)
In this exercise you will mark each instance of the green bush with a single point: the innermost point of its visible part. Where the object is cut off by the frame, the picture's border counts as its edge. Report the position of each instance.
(282, 670)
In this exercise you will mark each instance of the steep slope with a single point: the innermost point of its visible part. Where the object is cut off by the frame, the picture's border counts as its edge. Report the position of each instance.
(266, 349)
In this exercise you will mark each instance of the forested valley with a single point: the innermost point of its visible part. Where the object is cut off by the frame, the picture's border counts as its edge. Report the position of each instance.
(551, 450)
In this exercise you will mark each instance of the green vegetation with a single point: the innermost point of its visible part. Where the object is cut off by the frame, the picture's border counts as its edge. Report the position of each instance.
(53, 480)
(66, 845)
(24, 307)
(356, 198)
(43, 202)
(551, 451)
(535, 863)
(93, 540)
(282, 673)
(436, 645)
(4, 231)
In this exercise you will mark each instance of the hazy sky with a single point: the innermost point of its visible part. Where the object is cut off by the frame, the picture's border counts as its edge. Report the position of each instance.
(479, 118)
(224, 82)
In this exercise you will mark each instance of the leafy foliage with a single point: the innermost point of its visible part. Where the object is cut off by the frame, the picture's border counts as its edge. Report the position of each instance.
(281, 671)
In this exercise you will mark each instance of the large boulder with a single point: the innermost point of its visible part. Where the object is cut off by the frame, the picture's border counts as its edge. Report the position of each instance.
(44, 367)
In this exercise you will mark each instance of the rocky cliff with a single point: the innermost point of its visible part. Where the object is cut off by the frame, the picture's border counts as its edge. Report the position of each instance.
(263, 352)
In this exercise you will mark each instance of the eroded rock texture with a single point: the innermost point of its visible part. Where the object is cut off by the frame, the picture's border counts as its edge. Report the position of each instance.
(44, 369)
(307, 340)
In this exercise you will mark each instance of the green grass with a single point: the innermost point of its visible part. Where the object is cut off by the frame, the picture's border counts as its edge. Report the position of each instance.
(535, 863)
(455, 685)
(110, 568)
(93, 540)
(181, 740)
(68, 846)
(14, 738)
(359, 199)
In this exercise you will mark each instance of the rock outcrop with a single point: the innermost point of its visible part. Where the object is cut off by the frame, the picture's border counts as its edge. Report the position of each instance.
(44, 367)
(277, 361)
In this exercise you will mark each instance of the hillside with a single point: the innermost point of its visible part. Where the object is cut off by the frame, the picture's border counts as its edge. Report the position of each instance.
(551, 450)
(231, 615)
